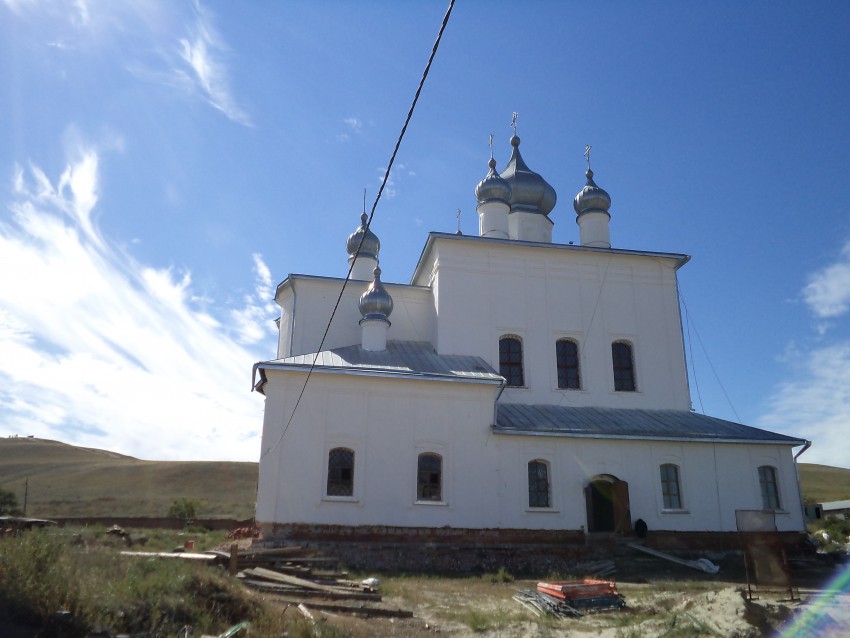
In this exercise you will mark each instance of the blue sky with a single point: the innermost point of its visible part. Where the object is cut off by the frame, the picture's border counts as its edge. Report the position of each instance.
(164, 164)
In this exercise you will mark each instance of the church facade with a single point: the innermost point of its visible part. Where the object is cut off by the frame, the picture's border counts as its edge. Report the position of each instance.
(512, 384)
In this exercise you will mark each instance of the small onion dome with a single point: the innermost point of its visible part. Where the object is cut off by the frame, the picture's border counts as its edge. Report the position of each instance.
(530, 193)
(493, 187)
(376, 302)
(591, 198)
(371, 244)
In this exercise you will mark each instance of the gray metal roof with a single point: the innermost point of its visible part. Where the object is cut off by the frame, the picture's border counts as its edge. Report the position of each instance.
(401, 358)
(621, 423)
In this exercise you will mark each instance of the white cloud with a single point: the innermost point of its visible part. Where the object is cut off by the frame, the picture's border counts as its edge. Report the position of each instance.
(828, 291)
(391, 188)
(354, 123)
(99, 350)
(201, 50)
(816, 404)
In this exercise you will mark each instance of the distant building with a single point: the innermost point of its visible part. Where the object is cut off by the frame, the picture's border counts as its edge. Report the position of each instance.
(512, 384)
(841, 509)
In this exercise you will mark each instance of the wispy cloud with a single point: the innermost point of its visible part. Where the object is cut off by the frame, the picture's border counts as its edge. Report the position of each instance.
(815, 405)
(100, 350)
(828, 291)
(202, 51)
(189, 54)
(394, 178)
(815, 402)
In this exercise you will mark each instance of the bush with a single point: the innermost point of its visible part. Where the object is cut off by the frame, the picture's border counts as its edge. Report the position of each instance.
(185, 509)
(9, 504)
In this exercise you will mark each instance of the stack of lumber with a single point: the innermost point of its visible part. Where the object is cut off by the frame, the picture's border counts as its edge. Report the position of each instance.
(585, 595)
(296, 575)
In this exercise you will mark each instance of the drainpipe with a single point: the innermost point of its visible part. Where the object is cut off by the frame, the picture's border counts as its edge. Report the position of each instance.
(806, 446)
(498, 396)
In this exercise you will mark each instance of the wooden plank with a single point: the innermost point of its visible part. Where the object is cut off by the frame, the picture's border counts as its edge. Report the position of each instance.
(291, 590)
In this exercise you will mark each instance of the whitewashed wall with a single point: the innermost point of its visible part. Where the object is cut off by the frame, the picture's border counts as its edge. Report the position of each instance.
(388, 422)
(484, 290)
(306, 303)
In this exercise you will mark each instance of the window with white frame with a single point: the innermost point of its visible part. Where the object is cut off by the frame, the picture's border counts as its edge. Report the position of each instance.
(769, 488)
(624, 366)
(510, 361)
(538, 484)
(566, 357)
(429, 482)
(340, 472)
(671, 487)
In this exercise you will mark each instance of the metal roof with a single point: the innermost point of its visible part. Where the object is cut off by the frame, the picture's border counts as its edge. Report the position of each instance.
(416, 359)
(622, 423)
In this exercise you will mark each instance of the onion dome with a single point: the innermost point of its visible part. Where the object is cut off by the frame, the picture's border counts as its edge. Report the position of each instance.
(591, 198)
(493, 187)
(371, 244)
(530, 193)
(376, 302)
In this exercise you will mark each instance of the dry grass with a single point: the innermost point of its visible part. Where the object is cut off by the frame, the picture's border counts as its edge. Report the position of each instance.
(67, 481)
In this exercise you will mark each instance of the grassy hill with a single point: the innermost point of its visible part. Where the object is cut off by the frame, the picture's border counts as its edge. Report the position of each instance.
(67, 481)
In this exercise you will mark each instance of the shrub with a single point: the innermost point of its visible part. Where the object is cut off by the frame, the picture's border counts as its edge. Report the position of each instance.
(185, 509)
(9, 504)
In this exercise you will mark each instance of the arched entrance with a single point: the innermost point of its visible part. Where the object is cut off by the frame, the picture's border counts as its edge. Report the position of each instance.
(607, 500)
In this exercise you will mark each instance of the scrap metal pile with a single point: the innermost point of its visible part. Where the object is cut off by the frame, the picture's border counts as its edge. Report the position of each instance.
(572, 599)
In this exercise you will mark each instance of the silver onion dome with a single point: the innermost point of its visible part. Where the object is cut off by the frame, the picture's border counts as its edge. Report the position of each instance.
(530, 193)
(493, 187)
(376, 302)
(591, 198)
(371, 244)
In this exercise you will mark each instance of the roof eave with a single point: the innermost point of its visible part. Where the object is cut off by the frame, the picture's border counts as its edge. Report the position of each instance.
(295, 367)
(639, 437)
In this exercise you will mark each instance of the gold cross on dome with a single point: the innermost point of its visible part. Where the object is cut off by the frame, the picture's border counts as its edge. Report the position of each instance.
(587, 155)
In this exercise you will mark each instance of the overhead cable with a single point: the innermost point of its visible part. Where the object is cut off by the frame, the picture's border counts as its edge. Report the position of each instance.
(368, 224)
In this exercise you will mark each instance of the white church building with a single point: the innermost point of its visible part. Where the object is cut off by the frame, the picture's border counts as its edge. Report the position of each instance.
(513, 384)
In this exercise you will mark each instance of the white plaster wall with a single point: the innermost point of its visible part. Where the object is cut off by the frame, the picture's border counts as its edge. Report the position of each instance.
(388, 422)
(541, 294)
(307, 302)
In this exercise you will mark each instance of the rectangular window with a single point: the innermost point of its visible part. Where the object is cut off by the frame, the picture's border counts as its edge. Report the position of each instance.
(510, 361)
(429, 477)
(670, 487)
(624, 366)
(538, 484)
(566, 356)
(340, 472)
(769, 488)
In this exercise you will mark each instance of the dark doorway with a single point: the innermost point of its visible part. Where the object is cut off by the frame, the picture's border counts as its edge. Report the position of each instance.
(607, 500)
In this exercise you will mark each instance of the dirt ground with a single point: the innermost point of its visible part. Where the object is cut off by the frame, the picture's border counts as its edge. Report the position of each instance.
(662, 599)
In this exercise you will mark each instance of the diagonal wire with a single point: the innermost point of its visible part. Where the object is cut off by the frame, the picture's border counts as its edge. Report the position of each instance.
(691, 352)
(707, 358)
(368, 223)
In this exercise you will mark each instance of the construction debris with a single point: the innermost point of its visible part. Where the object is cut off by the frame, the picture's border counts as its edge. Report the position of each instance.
(585, 595)
(701, 564)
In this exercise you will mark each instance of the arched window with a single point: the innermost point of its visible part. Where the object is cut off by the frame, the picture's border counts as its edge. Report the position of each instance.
(510, 361)
(624, 366)
(538, 484)
(769, 488)
(429, 484)
(566, 356)
(671, 489)
(341, 472)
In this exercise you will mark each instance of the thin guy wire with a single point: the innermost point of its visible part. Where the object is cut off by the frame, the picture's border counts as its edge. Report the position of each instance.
(711, 365)
(691, 351)
(368, 223)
